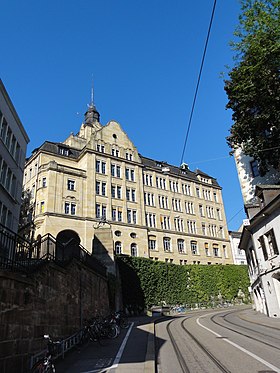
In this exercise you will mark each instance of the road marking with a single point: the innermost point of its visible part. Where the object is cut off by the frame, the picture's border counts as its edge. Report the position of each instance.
(118, 356)
(274, 368)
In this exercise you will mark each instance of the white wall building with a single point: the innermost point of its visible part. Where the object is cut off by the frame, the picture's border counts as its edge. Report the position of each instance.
(249, 175)
(261, 242)
(239, 256)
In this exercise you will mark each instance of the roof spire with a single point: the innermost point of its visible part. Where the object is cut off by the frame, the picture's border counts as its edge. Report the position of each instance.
(92, 92)
(91, 114)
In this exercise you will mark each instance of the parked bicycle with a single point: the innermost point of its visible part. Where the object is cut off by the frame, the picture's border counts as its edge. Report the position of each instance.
(46, 365)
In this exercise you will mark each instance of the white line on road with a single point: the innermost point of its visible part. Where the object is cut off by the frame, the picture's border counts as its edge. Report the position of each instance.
(274, 368)
(118, 356)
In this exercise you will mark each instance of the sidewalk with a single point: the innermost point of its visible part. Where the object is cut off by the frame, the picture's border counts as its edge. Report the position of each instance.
(132, 351)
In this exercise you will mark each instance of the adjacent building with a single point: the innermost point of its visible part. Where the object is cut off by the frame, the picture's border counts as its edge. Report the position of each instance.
(261, 241)
(95, 189)
(13, 144)
(238, 255)
(249, 175)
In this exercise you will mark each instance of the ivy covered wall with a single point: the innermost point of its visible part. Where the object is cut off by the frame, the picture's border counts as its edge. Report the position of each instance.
(146, 283)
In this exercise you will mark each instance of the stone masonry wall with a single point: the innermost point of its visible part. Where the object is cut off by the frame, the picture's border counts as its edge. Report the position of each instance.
(53, 300)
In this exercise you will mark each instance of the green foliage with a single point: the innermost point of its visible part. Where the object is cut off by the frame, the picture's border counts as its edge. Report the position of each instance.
(146, 282)
(253, 87)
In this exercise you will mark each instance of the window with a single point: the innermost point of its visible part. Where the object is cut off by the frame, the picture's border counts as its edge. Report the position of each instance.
(118, 248)
(216, 250)
(194, 248)
(115, 170)
(70, 184)
(181, 245)
(119, 192)
(130, 194)
(272, 245)
(219, 215)
(63, 151)
(98, 211)
(254, 168)
(100, 167)
(197, 192)
(100, 148)
(179, 224)
(191, 224)
(215, 196)
(176, 204)
(104, 212)
(118, 233)
(160, 183)
(167, 244)
(148, 179)
(225, 251)
(97, 187)
(119, 215)
(129, 174)
(206, 247)
(70, 208)
(149, 199)
(114, 214)
(44, 182)
(163, 202)
(201, 211)
(129, 216)
(133, 249)
(165, 222)
(42, 207)
(203, 227)
(150, 220)
(189, 207)
(152, 243)
(103, 188)
(128, 156)
(187, 189)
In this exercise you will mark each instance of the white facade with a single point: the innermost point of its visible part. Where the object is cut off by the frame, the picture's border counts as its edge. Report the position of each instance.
(261, 242)
(239, 256)
(249, 177)
(13, 144)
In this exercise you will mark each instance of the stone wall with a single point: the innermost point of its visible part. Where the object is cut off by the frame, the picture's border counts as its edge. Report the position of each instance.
(53, 300)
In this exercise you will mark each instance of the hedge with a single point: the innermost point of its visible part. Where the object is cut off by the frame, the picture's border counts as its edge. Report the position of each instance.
(146, 283)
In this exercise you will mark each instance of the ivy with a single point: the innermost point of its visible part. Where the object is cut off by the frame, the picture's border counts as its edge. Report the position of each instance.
(146, 283)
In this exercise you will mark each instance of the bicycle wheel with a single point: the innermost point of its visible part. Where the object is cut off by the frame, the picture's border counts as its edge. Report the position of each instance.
(112, 331)
(124, 323)
(39, 367)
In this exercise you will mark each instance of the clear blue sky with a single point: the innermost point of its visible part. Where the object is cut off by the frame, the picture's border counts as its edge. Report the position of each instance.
(144, 56)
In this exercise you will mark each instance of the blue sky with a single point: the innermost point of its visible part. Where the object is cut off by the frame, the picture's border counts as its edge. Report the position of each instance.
(144, 57)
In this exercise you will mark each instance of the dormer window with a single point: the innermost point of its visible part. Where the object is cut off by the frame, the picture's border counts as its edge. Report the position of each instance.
(63, 151)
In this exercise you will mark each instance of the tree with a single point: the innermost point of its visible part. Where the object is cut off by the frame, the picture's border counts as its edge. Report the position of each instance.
(253, 87)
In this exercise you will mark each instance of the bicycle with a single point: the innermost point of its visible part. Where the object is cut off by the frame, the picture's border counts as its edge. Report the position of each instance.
(46, 365)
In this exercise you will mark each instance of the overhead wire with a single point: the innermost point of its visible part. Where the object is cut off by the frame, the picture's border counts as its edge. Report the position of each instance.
(198, 80)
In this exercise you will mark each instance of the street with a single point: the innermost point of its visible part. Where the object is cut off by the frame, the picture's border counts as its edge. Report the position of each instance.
(210, 341)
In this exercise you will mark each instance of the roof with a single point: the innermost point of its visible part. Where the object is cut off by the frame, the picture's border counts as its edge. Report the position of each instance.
(164, 167)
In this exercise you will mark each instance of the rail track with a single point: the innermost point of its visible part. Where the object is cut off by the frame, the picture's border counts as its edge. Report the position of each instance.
(258, 335)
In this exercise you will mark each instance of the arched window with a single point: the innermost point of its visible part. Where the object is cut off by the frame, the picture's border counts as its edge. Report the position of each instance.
(133, 249)
(118, 248)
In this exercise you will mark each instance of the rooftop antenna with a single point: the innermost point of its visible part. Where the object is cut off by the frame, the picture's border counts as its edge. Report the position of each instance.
(92, 92)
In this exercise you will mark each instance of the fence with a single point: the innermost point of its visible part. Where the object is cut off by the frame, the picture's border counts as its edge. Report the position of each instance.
(20, 254)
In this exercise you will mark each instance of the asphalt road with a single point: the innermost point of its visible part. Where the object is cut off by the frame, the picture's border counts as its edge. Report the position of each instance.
(211, 341)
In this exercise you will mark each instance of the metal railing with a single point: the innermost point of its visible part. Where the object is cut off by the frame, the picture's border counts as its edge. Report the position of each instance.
(20, 254)
(66, 345)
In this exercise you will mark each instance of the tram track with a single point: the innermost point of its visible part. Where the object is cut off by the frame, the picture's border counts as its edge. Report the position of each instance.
(261, 335)
(181, 359)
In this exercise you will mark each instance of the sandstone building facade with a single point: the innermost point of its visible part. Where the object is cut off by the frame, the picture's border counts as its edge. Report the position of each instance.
(96, 189)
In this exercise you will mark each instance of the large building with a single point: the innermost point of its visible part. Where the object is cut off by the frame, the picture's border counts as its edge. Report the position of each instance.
(96, 189)
(13, 144)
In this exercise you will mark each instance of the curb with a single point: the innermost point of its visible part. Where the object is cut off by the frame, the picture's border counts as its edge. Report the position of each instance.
(149, 366)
